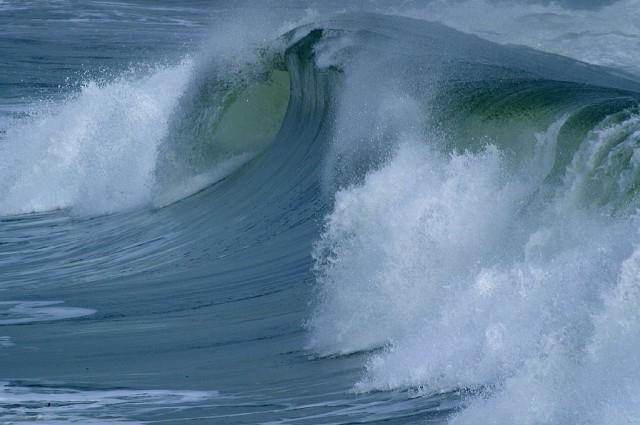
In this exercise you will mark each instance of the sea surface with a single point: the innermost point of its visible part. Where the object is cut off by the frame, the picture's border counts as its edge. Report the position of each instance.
(285, 212)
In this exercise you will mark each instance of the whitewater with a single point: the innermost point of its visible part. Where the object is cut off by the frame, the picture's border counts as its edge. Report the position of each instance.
(323, 213)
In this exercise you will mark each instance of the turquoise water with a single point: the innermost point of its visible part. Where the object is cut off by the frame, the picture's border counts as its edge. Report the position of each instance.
(216, 214)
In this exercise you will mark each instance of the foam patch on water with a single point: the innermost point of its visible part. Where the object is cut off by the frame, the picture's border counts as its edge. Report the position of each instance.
(37, 404)
(21, 312)
(5, 341)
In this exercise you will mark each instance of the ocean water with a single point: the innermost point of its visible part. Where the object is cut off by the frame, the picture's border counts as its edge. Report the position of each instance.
(219, 212)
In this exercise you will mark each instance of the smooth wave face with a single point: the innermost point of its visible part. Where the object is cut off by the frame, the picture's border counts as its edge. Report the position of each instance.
(335, 218)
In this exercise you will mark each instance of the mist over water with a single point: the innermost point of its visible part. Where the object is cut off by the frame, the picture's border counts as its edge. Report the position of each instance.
(324, 213)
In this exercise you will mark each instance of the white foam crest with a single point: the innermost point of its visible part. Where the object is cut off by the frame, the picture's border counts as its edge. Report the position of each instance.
(607, 36)
(96, 151)
(402, 235)
(447, 263)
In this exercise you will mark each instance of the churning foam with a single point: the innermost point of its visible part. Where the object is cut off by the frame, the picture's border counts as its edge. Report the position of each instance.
(96, 151)
(471, 277)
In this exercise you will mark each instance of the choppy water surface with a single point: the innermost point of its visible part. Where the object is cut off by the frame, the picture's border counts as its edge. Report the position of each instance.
(319, 213)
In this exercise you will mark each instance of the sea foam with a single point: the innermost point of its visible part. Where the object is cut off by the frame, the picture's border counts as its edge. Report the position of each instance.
(471, 275)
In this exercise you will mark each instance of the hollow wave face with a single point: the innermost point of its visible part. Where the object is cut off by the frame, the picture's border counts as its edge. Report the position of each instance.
(127, 144)
(150, 135)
